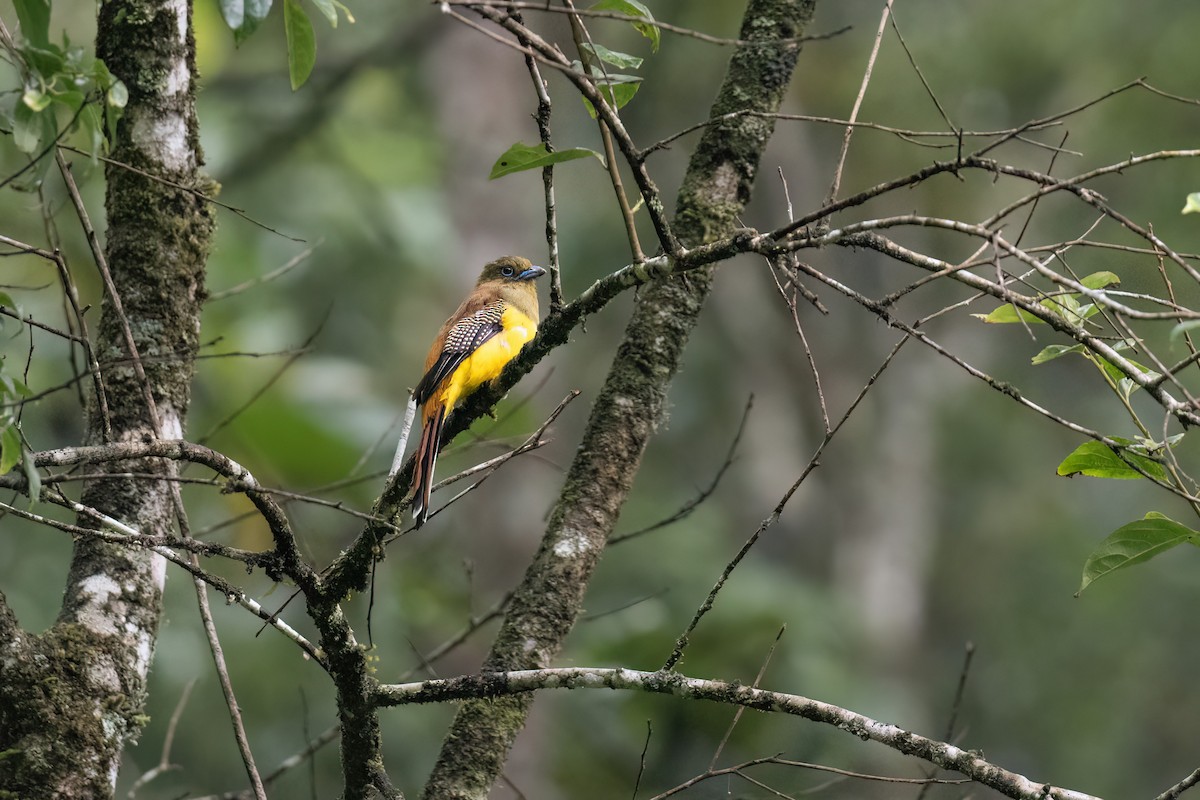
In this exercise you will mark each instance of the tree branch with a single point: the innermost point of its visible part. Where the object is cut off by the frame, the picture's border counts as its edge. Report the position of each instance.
(519, 682)
(240, 480)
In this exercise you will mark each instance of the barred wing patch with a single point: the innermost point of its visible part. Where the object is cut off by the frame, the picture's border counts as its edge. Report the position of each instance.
(461, 340)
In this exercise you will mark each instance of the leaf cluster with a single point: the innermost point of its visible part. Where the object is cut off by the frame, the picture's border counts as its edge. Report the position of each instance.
(60, 81)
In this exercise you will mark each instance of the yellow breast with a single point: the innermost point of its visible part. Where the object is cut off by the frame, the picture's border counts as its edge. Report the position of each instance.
(488, 360)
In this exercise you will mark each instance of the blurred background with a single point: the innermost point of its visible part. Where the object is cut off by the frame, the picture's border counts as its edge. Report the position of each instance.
(935, 518)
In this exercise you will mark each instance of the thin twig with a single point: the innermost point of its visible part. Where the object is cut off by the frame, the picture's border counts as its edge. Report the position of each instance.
(917, 69)
(199, 195)
(278, 272)
(164, 761)
(133, 536)
(737, 715)
(682, 642)
(583, 41)
(642, 761)
(542, 118)
(952, 722)
(687, 508)
(110, 289)
(266, 385)
(665, 26)
(862, 91)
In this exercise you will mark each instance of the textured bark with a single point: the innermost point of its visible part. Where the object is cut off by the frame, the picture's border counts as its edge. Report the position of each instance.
(72, 698)
(630, 405)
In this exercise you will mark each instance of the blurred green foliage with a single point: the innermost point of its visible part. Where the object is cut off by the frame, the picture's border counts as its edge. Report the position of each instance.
(935, 518)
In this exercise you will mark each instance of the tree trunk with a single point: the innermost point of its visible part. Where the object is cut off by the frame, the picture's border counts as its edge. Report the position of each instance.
(71, 698)
(630, 405)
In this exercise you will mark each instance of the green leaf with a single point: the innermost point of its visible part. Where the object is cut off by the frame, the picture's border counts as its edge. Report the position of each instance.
(1008, 313)
(616, 95)
(1125, 384)
(1065, 306)
(93, 127)
(632, 8)
(1101, 280)
(521, 157)
(32, 477)
(34, 16)
(1097, 460)
(72, 100)
(47, 61)
(27, 129)
(13, 388)
(117, 95)
(36, 99)
(327, 8)
(1184, 327)
(1193, 203)
(1132, 544)
(10, 447)
(1053, 351)
(244, 16)
(1147, 446)
(606, 77)
(233, 12)
(301, 43)
(622, 60)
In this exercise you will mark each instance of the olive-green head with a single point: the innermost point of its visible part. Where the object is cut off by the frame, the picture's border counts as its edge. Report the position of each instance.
(510, 269)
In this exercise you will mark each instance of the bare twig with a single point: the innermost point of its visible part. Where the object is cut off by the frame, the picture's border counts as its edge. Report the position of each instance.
(682, 642)
(687, 508)
(164, 761)
(278, 272)
(473, 625)
(959, 691)
(199, 195)
(542, 118)
(739, 770)
(917, 69)
(267, 384)
(616, 15)
(583, 41)
(737, 715)
(862, 92)
(642, 761)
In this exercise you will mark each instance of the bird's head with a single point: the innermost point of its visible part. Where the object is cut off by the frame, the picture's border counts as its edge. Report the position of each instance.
(510, 269)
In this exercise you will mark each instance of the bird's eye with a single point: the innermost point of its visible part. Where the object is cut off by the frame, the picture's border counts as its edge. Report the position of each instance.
(507, 271)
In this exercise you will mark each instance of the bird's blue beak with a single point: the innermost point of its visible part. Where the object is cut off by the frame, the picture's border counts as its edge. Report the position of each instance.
(531, 273)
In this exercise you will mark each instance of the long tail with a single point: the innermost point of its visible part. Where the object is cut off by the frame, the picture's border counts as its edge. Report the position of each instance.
(427, 453)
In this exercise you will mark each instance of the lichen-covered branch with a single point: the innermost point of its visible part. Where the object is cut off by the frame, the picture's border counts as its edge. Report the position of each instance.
(630, 406)
(523, 682)
(240, 479)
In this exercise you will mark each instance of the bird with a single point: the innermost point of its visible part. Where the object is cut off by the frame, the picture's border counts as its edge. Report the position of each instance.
(486, 332)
